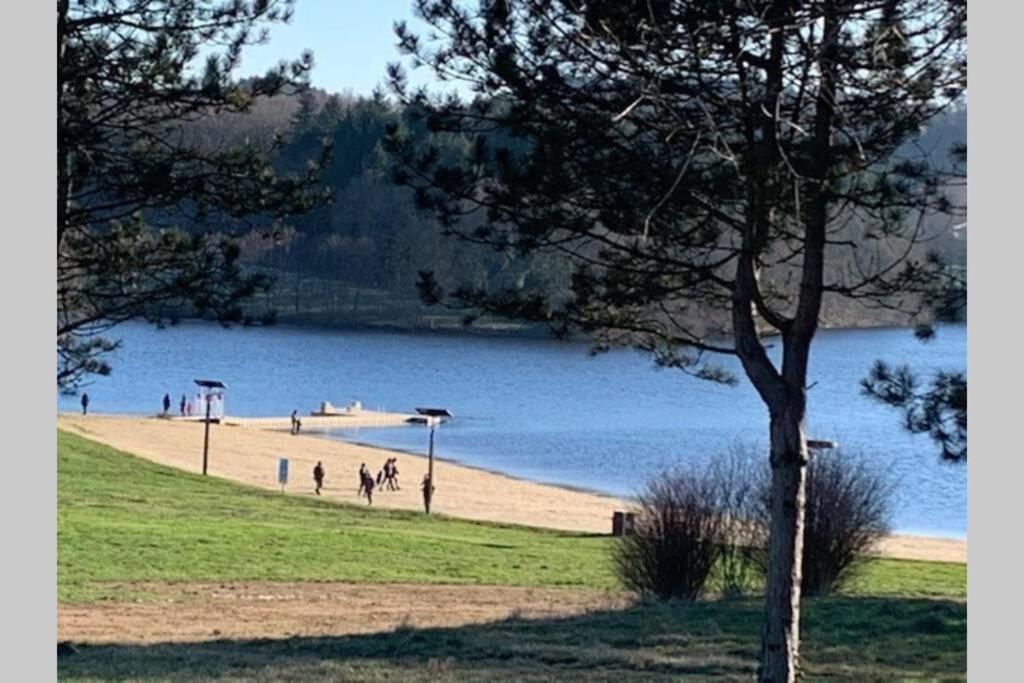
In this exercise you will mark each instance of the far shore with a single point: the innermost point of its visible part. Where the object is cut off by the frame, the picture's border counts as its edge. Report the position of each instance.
(513, 331)
(250, 456)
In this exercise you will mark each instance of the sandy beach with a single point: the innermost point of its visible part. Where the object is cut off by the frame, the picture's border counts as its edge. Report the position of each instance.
(250, 455)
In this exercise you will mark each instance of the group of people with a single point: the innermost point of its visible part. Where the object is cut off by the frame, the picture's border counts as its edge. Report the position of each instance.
(387, 476)
(195, 406)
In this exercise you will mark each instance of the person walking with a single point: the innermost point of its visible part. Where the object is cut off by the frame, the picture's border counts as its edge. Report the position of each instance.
(391, 474)
(364, 474)
(368, 485)
(167, 404)
(295, 419)
(428, 491)
(85, 403)
(181, 406)
(318, 476)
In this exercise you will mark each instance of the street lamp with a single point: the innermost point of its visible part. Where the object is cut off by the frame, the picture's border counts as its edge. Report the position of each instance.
(208, 386)
(434, 417)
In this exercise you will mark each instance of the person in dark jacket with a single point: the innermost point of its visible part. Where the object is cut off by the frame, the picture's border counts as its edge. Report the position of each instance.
(364, 474)
(318, 476)
(167, 404)
(85, 404)
(368, 484)
(428, 490)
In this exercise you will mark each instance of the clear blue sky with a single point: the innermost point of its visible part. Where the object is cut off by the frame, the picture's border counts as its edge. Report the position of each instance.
(352, 42)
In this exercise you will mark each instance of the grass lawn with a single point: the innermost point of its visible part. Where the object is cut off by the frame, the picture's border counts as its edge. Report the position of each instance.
(123, 519)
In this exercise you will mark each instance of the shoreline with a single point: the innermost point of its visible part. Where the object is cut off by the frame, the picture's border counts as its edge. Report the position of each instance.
(504, 331)
(480, 468)
(249, 456)
(938, 536)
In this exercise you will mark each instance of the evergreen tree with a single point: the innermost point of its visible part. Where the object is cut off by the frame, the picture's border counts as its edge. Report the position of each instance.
(695, 156)
(939, 409)
(128, 87)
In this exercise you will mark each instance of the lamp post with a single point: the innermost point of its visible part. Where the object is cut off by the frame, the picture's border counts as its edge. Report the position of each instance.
(208, 385)
(434, 417)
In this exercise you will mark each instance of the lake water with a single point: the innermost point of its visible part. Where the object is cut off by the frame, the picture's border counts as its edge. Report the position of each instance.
(547, 410)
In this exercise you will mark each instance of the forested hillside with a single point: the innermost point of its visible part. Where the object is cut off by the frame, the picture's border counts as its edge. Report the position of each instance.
(356, 261)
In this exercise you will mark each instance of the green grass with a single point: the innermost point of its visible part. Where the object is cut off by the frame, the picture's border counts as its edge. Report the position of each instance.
(860, 639)
(123, 519)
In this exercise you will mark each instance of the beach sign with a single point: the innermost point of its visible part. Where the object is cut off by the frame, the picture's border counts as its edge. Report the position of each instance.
(282, 472)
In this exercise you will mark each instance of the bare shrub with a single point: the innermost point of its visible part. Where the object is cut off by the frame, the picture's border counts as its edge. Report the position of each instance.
(694, 524)
(848, 509)
(737, 479)
(677, 538)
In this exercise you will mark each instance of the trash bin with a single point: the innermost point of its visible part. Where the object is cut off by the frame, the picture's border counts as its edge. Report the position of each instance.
(623, 523)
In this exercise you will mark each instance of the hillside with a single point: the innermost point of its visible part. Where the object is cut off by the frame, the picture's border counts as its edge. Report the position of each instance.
(355, 262)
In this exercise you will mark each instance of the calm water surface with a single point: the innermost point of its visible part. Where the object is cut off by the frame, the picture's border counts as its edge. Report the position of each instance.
(546, 410)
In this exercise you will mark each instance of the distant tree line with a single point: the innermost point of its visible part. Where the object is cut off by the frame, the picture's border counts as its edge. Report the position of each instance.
(371, 235)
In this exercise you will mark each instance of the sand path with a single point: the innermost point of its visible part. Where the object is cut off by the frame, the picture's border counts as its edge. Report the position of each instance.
(251, 455)
(191, 612)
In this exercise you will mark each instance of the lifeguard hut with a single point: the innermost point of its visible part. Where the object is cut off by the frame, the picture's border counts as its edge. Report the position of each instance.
(211, 398)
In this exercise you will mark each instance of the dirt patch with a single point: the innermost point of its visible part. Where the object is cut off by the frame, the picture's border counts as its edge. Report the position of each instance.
(190, 612)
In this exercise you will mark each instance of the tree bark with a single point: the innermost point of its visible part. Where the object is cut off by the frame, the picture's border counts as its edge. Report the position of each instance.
(780, 641)
(781, 630)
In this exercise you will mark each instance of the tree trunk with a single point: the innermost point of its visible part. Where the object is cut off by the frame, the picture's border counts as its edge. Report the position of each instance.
(780, 644)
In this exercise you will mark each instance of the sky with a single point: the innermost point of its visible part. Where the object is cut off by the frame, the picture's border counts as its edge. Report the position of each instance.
(352, 43)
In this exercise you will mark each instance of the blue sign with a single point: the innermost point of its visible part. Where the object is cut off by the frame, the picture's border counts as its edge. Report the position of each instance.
(282, 471)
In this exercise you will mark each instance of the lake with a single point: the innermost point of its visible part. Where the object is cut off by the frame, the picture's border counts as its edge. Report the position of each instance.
(546, 410)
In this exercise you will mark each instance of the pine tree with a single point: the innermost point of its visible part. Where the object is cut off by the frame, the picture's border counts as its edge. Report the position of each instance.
(695, 160)
(128, 180)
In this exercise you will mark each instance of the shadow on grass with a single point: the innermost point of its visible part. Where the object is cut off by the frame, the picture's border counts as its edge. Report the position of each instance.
(855, 638)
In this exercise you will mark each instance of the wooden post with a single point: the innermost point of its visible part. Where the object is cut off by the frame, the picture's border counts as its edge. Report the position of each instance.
(206, 437)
